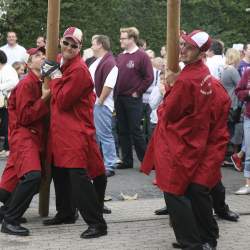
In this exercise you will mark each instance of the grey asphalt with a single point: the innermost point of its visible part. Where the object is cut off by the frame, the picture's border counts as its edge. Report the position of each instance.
(132, 224)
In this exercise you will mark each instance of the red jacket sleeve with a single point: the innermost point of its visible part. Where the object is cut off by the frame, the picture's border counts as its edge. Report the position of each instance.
(29, 108)
(70, 88)
(242, 89)
(179, 101)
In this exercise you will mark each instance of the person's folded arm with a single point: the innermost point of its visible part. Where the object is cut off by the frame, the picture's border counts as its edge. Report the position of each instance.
(68, 90)
(29, 109)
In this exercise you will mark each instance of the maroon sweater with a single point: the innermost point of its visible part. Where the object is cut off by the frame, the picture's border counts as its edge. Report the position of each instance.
(242, 91)
(135, 73)
(103, 69)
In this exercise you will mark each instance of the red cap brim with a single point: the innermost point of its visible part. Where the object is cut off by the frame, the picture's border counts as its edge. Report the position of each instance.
(73, 38)
(188, 40)
(33, 51)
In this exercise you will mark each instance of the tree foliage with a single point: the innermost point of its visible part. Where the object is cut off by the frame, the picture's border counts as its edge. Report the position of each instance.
(224, 19)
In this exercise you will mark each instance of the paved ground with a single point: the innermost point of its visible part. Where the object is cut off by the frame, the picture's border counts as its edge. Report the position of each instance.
(132, 224)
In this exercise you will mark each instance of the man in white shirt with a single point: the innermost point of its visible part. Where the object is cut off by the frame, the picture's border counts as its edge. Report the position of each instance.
(8, 80)
(14, 51)
(215, 59)
(104, 73)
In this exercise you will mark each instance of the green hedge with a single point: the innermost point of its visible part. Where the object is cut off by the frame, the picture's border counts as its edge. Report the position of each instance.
(223, 19)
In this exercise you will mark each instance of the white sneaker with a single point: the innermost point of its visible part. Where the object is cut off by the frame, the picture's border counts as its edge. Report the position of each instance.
(4, 154)
(118, 161)
(243, 190)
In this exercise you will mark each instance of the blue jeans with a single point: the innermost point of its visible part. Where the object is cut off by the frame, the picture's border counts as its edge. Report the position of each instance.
(104, 136)
(247, 146)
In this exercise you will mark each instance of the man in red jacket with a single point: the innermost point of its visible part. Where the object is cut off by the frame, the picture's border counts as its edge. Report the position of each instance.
(27, 109)
(75, 154)
(188, 145)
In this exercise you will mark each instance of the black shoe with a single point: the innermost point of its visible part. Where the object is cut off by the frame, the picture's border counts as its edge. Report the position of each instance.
(93, 232)
(207, 246)
(229, 215)
(177, 245)
(161, 211)
(106, 210)
(22, 220)
(59, 220)
(14, 229)
(110, 173)
(124, 166)
(76, 215)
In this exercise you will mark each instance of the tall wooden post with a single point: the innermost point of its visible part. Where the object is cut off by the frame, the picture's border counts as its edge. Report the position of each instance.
(173, 33)
(53, 20)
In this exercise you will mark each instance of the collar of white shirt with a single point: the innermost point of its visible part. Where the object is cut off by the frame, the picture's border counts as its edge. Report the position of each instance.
(132, 51)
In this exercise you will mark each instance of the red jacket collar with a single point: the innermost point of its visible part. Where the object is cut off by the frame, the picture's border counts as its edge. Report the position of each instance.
(33, 76)
(194, 65)
(71, 61)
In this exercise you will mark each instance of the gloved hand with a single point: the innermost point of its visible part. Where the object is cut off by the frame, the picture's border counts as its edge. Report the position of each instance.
(51, 69)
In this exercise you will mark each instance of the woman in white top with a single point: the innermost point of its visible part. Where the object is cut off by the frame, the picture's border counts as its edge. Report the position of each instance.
(8, 80)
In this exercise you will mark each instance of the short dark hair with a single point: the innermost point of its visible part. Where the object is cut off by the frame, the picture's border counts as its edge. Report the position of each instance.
(245, 45)
(103, 40)
(3, 57)
(216, 47)
(141, 42)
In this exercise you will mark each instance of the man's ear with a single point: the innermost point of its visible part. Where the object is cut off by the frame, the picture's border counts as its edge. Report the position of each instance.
(61, 39)
(29, 62)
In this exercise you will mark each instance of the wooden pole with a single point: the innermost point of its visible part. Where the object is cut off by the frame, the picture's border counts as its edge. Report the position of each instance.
(53, 19)
(173, 33)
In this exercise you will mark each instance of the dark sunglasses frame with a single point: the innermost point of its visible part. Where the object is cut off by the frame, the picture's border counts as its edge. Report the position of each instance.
(72, 46)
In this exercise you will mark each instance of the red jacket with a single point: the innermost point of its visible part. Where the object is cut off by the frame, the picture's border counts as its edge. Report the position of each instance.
(72, 131)
(179, 141)
(27, 113)
(209, 171)
(242, 91)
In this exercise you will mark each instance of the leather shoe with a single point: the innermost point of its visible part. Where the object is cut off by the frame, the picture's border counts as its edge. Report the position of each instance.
(207, 246)
(110, 173)
(177, 245)
(76, 215)
(14, 229)
(229, 215)
(93, 232)
(22, 220)
(124, 166)
(106, 210)
(162, 211)
(59, 220)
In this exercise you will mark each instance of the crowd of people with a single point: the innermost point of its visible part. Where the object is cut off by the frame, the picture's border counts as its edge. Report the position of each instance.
(184, 125)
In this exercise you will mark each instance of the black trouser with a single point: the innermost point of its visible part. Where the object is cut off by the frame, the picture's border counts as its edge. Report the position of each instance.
(152, 128)
(129, 113)
(4, 195)
(146, 124)
(192, 217)
(115, 134)
(64, 202)
(100, 184)
(75, 190)
(22, 196)
(4, 127)
(218, 194)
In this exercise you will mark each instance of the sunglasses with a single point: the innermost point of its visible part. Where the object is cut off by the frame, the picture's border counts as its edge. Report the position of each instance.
(72, 46)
